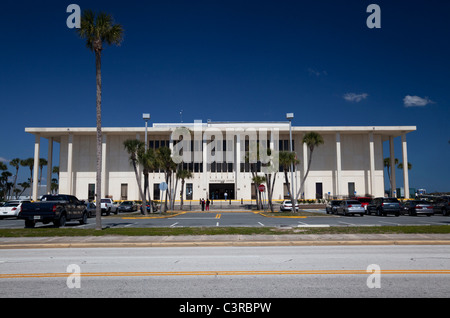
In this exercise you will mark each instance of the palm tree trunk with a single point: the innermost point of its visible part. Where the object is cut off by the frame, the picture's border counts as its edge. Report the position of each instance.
(98, 214)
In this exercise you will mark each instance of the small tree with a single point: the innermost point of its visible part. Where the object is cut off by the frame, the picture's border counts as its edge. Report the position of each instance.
(183, 175)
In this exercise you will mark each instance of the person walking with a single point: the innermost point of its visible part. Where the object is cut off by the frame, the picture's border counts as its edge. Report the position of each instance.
(202, 202)
(207, 204)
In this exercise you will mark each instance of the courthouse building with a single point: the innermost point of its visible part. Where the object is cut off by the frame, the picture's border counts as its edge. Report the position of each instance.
(349, 162)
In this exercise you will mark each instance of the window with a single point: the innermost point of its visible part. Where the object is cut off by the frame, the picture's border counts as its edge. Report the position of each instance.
(91, 191)
(124, 191)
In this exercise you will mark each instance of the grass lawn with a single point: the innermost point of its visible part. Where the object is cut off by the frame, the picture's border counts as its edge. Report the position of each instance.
(162, 231)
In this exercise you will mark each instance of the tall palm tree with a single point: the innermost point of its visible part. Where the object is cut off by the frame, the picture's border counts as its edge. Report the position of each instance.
(312, 140)
(98, 30)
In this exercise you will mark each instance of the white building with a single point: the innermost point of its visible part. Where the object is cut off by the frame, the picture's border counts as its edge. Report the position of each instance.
(350, 162)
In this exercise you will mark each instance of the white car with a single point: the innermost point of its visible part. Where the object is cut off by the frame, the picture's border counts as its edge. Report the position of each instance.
(11, 208)
(287, 206)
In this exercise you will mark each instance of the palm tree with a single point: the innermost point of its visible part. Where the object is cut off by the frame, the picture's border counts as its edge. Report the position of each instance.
(98, 30)
(286, 159)
(42, 162)
(312, 140)
(132, 146)
(183, 175)
(16, 164)
(147, 159)
(165, 162)
(30, 164)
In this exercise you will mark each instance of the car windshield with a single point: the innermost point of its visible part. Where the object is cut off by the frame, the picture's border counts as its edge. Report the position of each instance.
(364, 200)
(422, 202)
(335, 202)
(104, 201)
(391, 200)
(353, 202)
(127, 202)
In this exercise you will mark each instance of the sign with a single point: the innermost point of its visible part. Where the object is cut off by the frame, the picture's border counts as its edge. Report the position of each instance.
(163, 186)
(261, 188)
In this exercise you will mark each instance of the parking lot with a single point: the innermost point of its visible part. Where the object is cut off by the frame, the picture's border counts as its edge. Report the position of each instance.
(242, 218)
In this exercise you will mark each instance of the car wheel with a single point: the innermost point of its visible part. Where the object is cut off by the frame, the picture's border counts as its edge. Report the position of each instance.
(61, 222)
(84, 218)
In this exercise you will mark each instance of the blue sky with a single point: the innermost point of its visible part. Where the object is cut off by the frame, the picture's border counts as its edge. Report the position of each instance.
(235, 60)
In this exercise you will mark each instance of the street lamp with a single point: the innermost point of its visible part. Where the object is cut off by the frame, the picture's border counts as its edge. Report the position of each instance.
(146, 118)
(290, 116)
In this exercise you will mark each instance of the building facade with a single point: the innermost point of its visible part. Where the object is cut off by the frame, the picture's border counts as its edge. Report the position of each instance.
(349, 162)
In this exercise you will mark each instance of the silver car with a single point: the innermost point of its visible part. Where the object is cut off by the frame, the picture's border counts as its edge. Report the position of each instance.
(348, 207)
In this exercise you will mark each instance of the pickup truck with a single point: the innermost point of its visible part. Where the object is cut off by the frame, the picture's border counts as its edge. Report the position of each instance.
(107, 206)
(54, 208)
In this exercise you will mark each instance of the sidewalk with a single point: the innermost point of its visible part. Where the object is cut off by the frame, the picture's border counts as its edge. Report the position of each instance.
(224, 240)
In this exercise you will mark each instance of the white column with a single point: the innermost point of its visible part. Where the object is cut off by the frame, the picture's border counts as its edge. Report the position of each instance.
(37, 144)
(237, 166)
(392, 182)
(205, 170)
(305, 166)
(104, 172)
(49, 165)
(405, 166)
(69, 163)
(338, 163)
(372, 164)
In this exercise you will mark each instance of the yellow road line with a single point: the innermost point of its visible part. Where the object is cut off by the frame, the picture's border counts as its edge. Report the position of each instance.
(226, 273)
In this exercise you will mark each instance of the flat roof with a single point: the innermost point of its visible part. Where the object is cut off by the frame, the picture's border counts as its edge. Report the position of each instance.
(158, 128)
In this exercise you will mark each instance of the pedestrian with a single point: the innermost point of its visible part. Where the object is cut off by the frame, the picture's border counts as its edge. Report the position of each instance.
(207, 204)
(203, 204)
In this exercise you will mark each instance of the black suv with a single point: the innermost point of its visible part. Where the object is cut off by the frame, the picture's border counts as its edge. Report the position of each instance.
(383, 206)
(442, 205)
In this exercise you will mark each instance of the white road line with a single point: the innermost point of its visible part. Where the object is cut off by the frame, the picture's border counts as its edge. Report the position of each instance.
(174, 224)
(389, 223)
(260, 224)
(217, 224)
(346, 223)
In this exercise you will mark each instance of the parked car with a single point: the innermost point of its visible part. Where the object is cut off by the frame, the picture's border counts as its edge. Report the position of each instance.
(127, 206)
(347, 207)
(154, 205)
(287, 206)
(415, 207)
(383, 206)
(54, 208)
(442, 205)
(364, 201)
(332, 206)
(11, 208)
(107, 206)
(91, 209)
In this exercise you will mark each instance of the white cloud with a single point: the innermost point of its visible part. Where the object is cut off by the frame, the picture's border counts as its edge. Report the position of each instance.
(316, 73)
(352, 97)
(416, 101)
(4, 160)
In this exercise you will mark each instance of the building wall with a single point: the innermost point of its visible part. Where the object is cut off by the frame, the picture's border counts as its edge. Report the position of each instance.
(355, 168)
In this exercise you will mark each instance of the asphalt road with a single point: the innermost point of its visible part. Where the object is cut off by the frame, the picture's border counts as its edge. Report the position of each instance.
(261, 272)
(245, 219)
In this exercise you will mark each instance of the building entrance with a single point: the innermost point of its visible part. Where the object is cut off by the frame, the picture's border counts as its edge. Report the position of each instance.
(221, 191)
